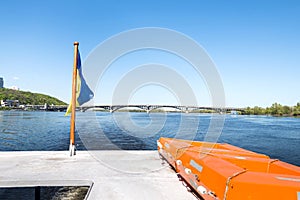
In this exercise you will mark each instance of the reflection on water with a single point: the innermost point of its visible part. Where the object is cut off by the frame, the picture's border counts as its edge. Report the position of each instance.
(33, 131)
(276, 137)
(43, 193)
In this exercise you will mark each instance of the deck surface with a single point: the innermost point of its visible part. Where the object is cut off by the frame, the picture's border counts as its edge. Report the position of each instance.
(114, 174)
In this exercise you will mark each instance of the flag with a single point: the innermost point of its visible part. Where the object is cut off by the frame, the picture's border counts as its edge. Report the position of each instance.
(83, 92)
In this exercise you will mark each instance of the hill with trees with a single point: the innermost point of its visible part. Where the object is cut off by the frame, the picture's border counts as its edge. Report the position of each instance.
(28, 97)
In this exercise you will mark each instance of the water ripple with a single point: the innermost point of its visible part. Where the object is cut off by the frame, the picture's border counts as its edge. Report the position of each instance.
(23, 131)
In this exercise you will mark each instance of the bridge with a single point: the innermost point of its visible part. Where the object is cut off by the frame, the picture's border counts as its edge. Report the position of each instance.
(149, 108)
(145, 108)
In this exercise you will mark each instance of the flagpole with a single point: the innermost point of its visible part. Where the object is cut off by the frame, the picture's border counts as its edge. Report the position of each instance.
(72, 148)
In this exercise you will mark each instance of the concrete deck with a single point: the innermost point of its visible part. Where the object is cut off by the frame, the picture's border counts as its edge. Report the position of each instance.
(113, 174)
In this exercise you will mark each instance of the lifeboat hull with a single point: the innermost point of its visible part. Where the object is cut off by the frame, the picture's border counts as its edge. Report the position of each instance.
(223, 171)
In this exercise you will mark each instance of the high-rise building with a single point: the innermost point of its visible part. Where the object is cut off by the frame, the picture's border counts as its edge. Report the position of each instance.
(1, 82)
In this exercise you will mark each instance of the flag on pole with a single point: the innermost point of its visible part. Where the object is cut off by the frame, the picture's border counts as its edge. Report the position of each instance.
(83, 92)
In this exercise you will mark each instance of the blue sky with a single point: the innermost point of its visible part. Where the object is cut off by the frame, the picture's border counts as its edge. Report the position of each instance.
(254, 45)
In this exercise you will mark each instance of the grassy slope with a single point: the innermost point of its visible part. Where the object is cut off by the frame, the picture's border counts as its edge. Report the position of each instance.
(28, 97)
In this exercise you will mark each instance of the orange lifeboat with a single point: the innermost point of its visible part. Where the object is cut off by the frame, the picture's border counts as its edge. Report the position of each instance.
(222, 171)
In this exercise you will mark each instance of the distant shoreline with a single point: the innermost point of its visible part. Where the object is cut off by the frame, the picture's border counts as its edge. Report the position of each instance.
(155, 111)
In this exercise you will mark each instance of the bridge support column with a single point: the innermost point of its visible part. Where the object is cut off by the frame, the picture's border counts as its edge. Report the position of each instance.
(148, 109)
(186, 110)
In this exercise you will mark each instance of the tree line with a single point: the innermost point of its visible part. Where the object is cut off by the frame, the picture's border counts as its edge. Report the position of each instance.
(276, 109)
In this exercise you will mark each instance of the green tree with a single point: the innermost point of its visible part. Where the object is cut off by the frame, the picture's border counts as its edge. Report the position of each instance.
(286, 110)
(267, 111)
(276, 109)
(248, 111)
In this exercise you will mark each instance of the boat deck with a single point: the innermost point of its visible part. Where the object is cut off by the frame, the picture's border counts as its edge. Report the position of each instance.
(112, 174)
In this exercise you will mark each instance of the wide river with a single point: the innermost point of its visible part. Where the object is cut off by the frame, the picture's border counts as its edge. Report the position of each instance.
(278, 137)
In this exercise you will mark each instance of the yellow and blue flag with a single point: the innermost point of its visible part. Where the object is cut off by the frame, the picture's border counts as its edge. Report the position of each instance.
(83, 92)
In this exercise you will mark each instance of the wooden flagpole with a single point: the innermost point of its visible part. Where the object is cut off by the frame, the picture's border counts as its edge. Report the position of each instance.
(72, 148)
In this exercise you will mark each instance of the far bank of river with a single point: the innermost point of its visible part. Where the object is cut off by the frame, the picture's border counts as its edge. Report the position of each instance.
(245, 112)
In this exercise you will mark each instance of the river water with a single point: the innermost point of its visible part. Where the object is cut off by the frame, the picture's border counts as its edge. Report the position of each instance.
(278, 137)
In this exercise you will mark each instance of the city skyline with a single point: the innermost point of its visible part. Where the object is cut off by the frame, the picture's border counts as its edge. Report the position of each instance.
(254, 45)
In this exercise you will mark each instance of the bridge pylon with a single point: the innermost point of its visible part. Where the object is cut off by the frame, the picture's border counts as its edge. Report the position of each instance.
(186, 110)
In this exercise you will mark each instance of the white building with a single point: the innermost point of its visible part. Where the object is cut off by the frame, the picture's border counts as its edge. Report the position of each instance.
(14, 88)
(10, 103)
